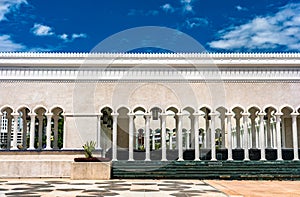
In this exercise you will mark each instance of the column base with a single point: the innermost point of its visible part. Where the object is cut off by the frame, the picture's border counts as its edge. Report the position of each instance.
(114, 160)
(30, 148)
(130, 159)
(147, 159)
(197, 160)
(296, 159)
(230, 159)
(180, 159)
(263, 159)
(247, 159)
(48, 148)
(213, 160)
(14, 148)
(164, 160)
(279, 159)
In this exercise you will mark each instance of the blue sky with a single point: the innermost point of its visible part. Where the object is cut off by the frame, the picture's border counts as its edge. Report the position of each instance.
(218, 25)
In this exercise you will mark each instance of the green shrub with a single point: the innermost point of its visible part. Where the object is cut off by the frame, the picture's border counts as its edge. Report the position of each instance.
(89, 147)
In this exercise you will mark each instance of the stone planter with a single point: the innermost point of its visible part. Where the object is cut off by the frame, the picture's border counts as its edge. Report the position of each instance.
(90, 170)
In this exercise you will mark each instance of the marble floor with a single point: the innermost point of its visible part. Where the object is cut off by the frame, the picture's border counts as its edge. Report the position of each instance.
(124, 188)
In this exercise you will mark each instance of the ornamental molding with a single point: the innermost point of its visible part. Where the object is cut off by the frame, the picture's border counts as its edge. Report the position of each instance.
(148, 74)
(149, 59)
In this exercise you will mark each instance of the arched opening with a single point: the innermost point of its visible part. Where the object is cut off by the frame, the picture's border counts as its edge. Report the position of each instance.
(40, 128)
(23, 130)
(287, 133)
(237, 132)
(220, 128)
(6, 128)
(254, 127)
(57, 128)
(106, 123)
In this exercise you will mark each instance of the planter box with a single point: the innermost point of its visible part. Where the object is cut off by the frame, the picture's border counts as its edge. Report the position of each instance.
(90, 170)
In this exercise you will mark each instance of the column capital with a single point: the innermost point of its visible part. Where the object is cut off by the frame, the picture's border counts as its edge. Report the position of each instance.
(32, 114)
(246, 114)
(147, 115)
(48, 114)
(294, 114)
(179, 114)
(164, 114)
(278, 114)
(229, 114)
(14, 114)
(261, 114)
(130, 114)
(99, 114)
(114, 114)
(213, 114)
(198, 114)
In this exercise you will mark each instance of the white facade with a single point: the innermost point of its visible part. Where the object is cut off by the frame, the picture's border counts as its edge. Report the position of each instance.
(238, 101)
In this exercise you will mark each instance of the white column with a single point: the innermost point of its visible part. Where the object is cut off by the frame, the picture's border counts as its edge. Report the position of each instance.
(32, 131)
(196, 130)
(192, 132)
(99, 132)
(229, 136)
(278, 135)
(147, 138)
(163, 117)
(115, 137)
(15, 137)
(0, 125)
(262, 137)
(213, 136)
(283, 131)
(179, 138)
(65, 132)
(48, 131)
(295, 136)
(246, 150)
(130, 145)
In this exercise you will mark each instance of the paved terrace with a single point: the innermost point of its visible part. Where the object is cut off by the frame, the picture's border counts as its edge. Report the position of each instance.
(151, 188)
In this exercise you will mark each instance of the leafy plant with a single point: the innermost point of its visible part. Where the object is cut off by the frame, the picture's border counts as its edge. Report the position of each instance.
(89, 147)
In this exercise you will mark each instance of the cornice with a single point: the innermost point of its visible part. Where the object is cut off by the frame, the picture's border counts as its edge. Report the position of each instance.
(149, 74)
(149, 59)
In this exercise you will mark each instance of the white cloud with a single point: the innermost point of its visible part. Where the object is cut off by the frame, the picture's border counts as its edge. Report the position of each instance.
(41, 30)
(195, 22)
(70, 38)
(63, 37)
(74, 36)
(168, 8)
(7, 6)
(282, 29)
(187, 6)
(240, 8)
(7, 44)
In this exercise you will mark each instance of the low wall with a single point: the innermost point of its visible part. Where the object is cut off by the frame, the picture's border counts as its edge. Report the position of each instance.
(36, 164)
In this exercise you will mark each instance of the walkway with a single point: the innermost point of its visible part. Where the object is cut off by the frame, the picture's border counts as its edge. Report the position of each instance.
(148, 188)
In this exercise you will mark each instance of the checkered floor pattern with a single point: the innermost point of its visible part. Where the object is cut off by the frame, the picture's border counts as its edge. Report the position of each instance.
(124, 188)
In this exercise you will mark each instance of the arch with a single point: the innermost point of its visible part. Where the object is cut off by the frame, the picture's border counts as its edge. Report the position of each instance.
(40, 107)
(221, 109)
(57, 106)
(156, 106)
(254, 107)
(190, 109)
(22, 107)
(286, 106)
(104, 107)
(269, 105)
(6, 107)
(139, 108)
(122, 106)
(205, 106)
(173, 108)
(237, 106)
